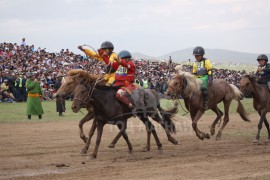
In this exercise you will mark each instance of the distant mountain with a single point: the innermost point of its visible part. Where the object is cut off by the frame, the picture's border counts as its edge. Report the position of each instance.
(142, 56)
(215, 55)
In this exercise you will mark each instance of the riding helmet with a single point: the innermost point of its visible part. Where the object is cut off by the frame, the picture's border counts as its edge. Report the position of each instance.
(124, 54)
(198, 51)
(262, 57)
(107, 45)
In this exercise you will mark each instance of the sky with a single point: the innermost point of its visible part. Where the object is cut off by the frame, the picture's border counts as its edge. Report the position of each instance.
(152, 27)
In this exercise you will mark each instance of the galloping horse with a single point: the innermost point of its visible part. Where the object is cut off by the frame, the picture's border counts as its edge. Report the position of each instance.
(108, 110)
(261, 104)
(73, 78)
(188, 87)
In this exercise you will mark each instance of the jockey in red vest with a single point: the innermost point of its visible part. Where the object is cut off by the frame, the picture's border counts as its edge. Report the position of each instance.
(125, 75)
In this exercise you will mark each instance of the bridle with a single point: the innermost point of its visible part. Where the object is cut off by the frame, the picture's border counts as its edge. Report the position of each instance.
(183, 84)
(87, 98)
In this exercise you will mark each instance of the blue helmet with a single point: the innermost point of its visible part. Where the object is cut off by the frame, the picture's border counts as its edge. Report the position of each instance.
(124, 54)
(198, 51)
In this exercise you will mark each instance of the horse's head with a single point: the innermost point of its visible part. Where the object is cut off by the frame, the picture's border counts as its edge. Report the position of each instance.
(82, 96)
(245, 85)
(176, 86)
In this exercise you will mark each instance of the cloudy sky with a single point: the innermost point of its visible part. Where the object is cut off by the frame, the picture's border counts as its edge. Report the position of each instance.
(153, 27)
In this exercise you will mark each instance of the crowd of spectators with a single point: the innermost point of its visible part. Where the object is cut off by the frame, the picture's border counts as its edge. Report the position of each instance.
(17, 60)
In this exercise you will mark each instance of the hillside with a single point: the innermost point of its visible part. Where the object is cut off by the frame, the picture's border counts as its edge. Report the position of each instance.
(216, 55)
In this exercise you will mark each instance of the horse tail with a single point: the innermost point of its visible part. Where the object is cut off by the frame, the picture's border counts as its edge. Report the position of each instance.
(237, 93)
(167, 117)
(241, 111)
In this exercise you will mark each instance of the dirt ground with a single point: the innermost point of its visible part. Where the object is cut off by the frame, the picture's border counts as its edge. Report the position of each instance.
(51, 150)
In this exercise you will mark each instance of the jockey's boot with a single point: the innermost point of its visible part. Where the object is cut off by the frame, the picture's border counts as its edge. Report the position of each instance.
(29, 117)
(124, 100)
(205, 99)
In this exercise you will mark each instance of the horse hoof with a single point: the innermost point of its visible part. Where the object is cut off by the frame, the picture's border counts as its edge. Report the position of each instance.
(218, 138)
(111, 146)
(130, 152)
(212, 131)
(207, 136)
(83, 151)
(256, 141)
(145, 149)
(173, 141)
(267, 141)
(93, 156)
(160, 151)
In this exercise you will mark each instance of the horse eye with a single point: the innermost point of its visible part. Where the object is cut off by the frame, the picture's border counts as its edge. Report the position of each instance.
(175, 83)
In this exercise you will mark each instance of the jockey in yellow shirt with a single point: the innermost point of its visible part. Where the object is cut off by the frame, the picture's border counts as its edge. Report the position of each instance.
(107, 47)
(202, 68)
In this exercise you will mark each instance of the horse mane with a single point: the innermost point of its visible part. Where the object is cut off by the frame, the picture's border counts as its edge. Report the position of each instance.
(193, 84)
(84, 74)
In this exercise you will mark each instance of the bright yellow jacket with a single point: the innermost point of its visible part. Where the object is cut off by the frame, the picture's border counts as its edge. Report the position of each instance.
(109, 77)
(203, 67)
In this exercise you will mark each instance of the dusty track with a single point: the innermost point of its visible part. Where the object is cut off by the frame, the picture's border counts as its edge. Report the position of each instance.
(36, 150)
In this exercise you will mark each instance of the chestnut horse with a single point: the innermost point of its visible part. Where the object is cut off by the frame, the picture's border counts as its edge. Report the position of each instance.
(260, 93)
(188, 87)
(108, 110)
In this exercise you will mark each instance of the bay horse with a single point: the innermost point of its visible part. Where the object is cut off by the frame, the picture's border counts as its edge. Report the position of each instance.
(189, 88)
(108, 110)
(260, 93)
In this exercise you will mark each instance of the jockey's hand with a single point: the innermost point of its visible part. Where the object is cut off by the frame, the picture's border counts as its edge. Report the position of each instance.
(118, 60)
(101, 52)
(80, 48)
(260, 69)
(210, 80)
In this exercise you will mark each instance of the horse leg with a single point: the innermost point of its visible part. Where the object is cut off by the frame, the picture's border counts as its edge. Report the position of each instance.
(100, 126)
(157, 118)
(112, 144)
(150, 128)
(257, 139)
(91, 133)
(199, 133)
(88, 117)
(267, 127)
(219, 114)
(226, 118)
(122, 127)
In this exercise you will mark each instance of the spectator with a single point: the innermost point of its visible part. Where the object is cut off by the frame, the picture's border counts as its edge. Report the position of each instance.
(34, 90)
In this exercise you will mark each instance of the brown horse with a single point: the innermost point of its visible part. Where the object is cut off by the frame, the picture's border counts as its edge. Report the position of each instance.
(72, 79)
(188, 87)
(261, 103)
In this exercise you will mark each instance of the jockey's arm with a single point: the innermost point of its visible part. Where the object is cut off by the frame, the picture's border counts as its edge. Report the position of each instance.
(194, 69)
(208, 66)
(128, 65)
(92, 54)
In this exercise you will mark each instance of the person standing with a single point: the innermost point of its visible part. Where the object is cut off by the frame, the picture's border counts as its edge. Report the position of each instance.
(202, 68)
(60, 102)
(33, 102)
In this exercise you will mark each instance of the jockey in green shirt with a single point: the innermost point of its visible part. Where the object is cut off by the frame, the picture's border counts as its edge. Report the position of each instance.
(202, 68)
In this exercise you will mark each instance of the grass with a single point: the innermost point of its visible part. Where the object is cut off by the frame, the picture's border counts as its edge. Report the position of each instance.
(16, 112)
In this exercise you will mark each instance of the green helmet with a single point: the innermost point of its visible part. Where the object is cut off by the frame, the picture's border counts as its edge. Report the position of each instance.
(124, 54)
(107, 45)
(198, 51)
(262, 57)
